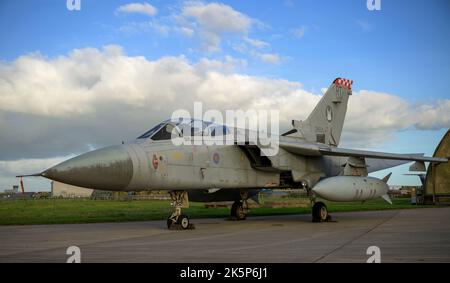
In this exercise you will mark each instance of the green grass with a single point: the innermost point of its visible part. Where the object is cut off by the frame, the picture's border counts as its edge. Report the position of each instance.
(58, 211)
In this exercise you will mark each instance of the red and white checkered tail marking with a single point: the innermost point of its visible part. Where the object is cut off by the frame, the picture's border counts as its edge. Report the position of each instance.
(343, 82)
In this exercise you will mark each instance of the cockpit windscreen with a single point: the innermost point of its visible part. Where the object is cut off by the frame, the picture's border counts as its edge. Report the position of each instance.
(184, 127)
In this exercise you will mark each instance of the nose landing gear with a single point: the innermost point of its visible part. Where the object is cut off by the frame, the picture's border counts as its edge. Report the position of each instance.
(176, 220)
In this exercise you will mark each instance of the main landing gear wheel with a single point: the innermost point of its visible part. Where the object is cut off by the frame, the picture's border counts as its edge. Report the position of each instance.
(239, 210)
(320, 212)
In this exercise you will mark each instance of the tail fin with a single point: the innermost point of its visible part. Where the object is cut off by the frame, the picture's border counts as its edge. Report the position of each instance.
(325, 123)
(386, 178)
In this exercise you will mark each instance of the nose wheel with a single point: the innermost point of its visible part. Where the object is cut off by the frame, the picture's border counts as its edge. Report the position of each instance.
(182, 222)
(176, 220)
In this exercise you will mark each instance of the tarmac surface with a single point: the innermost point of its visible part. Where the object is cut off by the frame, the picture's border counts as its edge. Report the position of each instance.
(412, 235)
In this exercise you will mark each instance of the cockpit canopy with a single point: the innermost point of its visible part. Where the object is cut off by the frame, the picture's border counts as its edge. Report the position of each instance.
(184, 127)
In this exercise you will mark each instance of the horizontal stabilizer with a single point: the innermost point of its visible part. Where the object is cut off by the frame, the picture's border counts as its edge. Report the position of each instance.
(314, 149)
(381, 155)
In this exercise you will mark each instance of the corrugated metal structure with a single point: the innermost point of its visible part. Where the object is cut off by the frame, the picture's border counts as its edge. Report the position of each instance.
(437, 184)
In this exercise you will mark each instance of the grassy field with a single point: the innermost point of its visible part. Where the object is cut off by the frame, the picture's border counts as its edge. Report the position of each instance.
(58, 211)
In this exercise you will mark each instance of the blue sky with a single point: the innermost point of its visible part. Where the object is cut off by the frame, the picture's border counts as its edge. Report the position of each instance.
(401, 50)
(391, 50)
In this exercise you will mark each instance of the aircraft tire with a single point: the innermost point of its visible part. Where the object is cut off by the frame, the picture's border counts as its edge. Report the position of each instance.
(320, 212)
(183, 221)
(238, 211)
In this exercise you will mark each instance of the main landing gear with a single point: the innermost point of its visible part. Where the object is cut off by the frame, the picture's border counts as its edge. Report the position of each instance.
(239, 209)
(320, 212)
(176, 220)
(319, 209)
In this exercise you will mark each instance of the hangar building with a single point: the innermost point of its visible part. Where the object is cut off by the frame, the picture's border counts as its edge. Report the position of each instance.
(437, 184)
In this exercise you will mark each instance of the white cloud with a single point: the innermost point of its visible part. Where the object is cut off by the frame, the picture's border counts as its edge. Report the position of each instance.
(374, 116)
(12, 168)
(299, 32)
(185, 31)
(270, 58)
(64, 86)
(62, 102)
(212, 21)
(142, 27)
(206, 23)
(255, 42)
(217, 17)
(90, 97)
(29, 166)
(227, 66)
(436, 116)
(141, 8)
(247, 49)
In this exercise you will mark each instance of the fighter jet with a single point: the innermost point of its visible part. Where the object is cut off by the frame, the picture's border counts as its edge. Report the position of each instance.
(308, 157)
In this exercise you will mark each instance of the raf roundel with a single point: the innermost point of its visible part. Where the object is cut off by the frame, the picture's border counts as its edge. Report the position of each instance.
(155, 162)
(216, 158)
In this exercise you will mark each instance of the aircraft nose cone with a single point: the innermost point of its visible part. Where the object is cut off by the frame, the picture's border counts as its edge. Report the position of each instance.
(108, 168)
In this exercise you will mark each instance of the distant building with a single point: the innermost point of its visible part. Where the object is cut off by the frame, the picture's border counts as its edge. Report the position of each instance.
(14, 190)
(437, 185)
(68, 191)
(395, 188)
